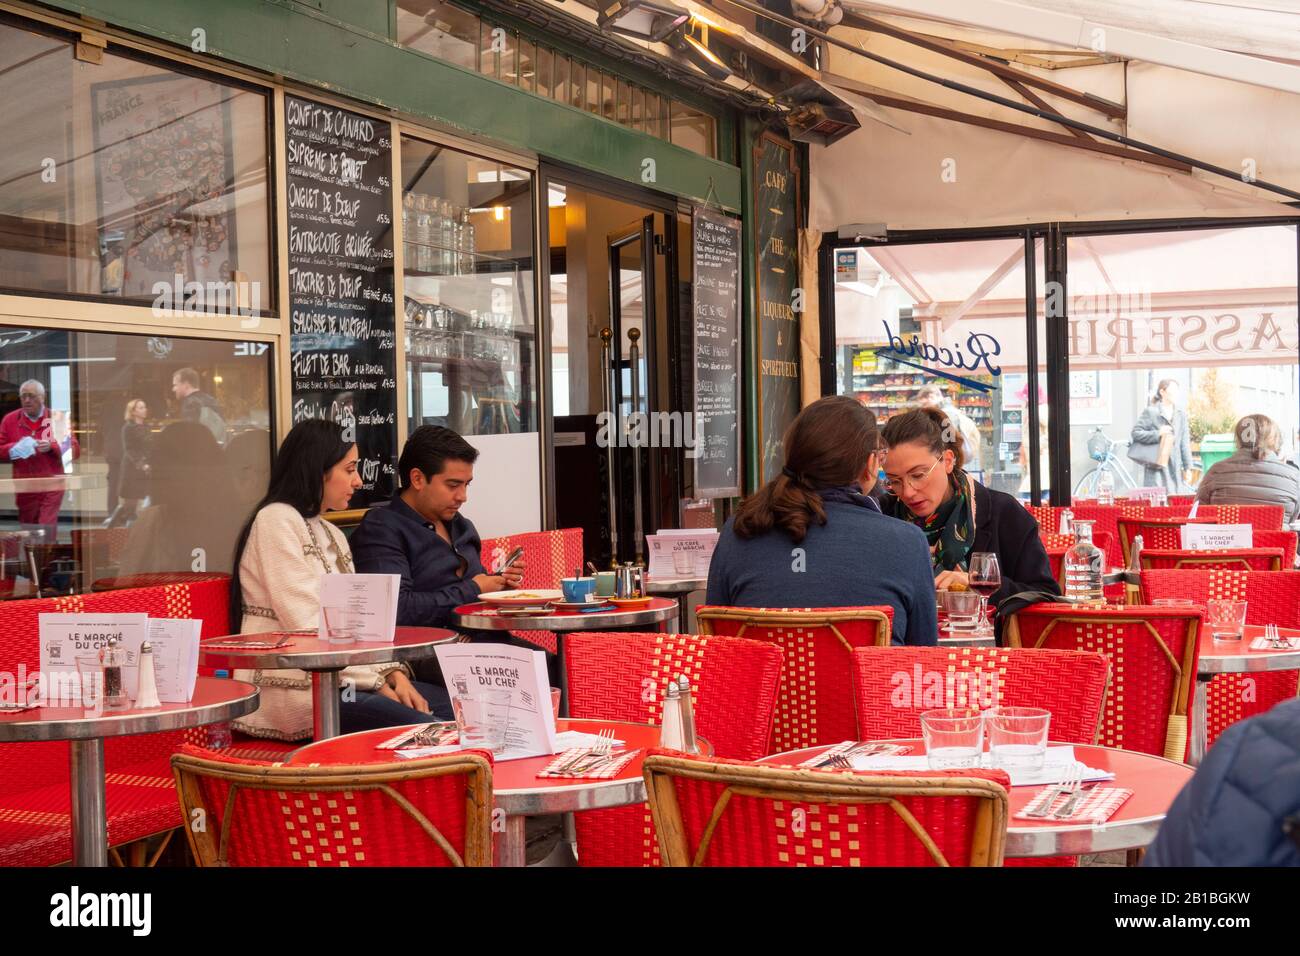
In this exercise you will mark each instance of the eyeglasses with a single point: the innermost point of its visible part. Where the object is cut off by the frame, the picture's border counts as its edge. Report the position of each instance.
(914, 480)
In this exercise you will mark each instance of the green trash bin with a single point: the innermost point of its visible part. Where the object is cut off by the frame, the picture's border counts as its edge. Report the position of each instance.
(1215, 448)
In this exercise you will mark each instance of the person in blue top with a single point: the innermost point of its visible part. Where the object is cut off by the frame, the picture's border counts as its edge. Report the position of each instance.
(812, 537)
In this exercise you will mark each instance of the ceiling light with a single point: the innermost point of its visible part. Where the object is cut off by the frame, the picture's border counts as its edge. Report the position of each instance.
(499, 213)
(653, 20)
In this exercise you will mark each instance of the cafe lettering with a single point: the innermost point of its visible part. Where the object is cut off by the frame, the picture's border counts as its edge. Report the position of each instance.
(1245, 337)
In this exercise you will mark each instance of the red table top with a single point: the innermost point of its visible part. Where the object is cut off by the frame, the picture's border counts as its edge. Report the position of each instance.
(1154, 781)
(507, 775)
(307, 643)
(490, 609)
(1212, 648)
(156, 579)
(76, 723)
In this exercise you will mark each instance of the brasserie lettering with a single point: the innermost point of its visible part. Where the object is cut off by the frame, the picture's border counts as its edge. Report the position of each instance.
(1194, 334)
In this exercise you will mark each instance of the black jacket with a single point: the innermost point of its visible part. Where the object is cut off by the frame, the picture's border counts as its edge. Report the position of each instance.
(1006, 528)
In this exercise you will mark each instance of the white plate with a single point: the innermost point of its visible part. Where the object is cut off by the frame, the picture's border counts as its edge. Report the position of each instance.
(539, 596)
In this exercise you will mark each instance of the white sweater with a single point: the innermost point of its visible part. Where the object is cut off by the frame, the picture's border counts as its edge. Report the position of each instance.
(279, 576)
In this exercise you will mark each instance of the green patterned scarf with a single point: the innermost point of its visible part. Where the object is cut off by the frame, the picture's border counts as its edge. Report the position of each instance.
(949, 530)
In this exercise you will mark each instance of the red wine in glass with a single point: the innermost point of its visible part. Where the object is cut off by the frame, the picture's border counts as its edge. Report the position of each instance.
(984, 576)
(985, 589)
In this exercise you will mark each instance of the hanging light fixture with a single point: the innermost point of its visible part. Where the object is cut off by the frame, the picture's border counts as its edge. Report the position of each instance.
(698, 52)
(653, 20)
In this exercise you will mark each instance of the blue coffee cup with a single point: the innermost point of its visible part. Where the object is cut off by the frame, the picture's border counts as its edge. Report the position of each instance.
(579, 590)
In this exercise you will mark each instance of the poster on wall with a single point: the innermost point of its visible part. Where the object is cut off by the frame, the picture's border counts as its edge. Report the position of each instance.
(165, 182)
(715, 286)
(343, 349)
(776, 211)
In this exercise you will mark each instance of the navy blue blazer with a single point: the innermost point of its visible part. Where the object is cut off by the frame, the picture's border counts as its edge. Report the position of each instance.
(436, 578)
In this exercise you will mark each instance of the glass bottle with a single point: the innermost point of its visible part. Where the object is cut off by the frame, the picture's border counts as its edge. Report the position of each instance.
(1083, 568)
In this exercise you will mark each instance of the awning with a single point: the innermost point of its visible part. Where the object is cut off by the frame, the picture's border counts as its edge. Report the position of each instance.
(931, 157)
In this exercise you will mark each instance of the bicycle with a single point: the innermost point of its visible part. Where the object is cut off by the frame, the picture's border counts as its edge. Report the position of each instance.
(1101, 449)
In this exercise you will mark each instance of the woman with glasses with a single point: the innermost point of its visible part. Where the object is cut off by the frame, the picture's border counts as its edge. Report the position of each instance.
(959, 516)
(811, 537)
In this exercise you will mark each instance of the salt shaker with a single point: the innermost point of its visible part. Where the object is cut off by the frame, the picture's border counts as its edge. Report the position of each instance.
(670, 731)
(1067, 522)
(689, 742)
(146, 694)
(110, 661)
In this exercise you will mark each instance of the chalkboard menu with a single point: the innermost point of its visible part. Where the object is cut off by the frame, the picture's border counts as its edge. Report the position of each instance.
(716, 286)
(343, 348)
(776, 209)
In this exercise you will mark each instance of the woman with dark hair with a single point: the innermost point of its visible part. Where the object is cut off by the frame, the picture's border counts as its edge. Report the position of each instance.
(959, 516)
(283, 550)
(811, 537)
(1162, 442)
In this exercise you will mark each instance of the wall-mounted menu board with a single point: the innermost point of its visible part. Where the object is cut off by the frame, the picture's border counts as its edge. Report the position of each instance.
(776, 228)
(716, 285)
(343, 347)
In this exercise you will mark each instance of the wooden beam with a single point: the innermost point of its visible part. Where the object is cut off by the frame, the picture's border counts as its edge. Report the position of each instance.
(1042, 104)
(944, 47)
(942, 112)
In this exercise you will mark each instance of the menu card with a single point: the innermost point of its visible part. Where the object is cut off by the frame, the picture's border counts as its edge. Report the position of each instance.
(530, 731)
(67, 639)
(669, 542)
(1213, 537)
(364, 604)
(175, 658)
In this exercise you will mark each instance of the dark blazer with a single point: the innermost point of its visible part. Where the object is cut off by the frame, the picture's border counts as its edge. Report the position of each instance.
(1004, 527)
(436, 578)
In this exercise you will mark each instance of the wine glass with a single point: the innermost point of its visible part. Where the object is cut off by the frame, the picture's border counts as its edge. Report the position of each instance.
(985, 577)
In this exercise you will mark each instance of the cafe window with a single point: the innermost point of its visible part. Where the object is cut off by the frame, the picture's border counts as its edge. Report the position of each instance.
(470, 319)
(1203, 320)
(692, 129)
(119, 176)
(439, 29)
(157, 449)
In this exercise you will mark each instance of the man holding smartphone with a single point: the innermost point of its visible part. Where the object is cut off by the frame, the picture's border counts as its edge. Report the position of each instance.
(422, 536)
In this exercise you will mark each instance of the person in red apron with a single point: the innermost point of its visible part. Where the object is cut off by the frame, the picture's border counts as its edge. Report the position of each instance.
(30, 440)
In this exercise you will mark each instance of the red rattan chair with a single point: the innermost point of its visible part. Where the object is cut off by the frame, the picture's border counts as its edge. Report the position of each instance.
(728, 813)
(1181, 501)
(1272, 597)
(35, 828)
(1153, 654)
(548, 557)
(623, 676)
(1240, 559)
(895, 684)
(431, 812)
(816, 705)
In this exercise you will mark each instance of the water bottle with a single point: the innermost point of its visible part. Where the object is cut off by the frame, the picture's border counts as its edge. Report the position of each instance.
(1105, 487)
(218, 736)
(1083, 565)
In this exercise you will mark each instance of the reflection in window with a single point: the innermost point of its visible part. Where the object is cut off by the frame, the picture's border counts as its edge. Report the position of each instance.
(470, 327)
(121, 175)
(439, 29)
(156, 450)
(692, 129)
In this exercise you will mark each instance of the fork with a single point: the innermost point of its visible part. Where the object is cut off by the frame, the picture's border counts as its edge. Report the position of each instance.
(1075, 791)
(1064, 786)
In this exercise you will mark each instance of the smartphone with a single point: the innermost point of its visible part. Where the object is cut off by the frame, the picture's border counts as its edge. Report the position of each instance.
(514, 556)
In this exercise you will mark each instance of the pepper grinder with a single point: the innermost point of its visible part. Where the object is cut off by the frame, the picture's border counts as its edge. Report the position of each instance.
(146, 695)
(110, 662)
(670, 731)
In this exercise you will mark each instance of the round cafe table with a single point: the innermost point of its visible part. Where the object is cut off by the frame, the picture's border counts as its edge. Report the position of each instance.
(1154, 781)
(323, 660)
(679, 588)
(1232, 657)
(485, 616)
(214, 701)
(517, 791)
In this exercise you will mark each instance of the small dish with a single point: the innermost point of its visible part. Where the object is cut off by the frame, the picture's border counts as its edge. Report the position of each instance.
(630, 603)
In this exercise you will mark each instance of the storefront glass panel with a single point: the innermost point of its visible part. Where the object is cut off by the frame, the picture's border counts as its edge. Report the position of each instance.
(127, 180)
(159, 450)
(439, 29)
(1206, 317)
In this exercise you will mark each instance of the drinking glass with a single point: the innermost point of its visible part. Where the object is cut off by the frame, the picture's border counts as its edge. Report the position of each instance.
(483, 719)
(985, 577)
(684, 562)
(1018, 737)
(1226, 619)
(89, 689)
(962, 608)
(342, 624)
(954, 737)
